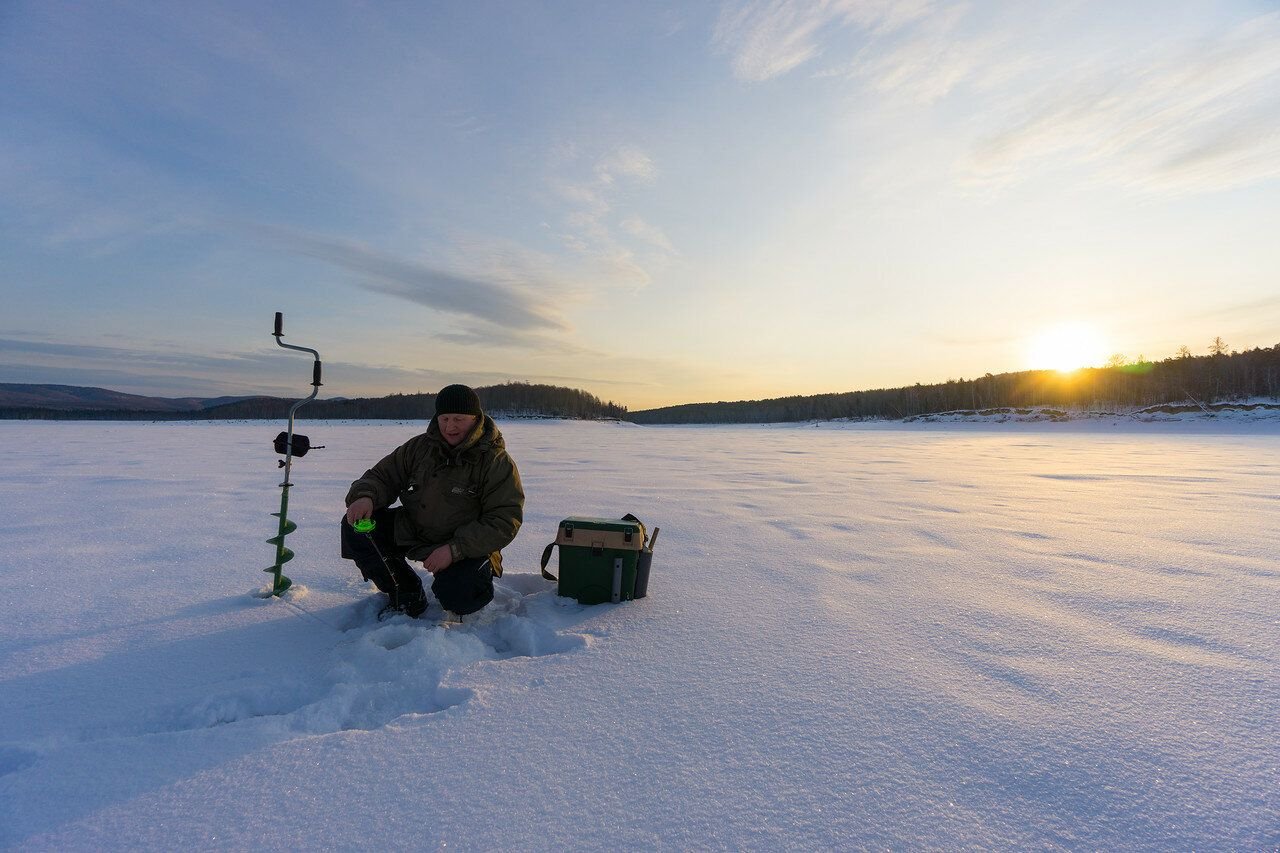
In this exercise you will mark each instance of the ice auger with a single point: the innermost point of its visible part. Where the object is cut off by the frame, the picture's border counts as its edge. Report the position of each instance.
(290, 445)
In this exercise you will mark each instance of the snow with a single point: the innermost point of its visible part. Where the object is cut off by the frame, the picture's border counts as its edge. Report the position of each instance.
(1041, 635)
(1250, 415)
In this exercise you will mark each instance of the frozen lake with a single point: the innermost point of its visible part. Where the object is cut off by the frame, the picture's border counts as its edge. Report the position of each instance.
(936, 637)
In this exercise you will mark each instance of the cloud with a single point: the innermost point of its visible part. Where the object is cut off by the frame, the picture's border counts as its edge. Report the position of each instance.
(160, 372)
(1168, 116)
(769, 38)
(541, 343)
(593, 229)
(72, 195)
(1193, 117)
(593, 196)
(508, 304)
(171, 373)
(55, 349)
(649, 233)
(142, 370)
(929, 61)
(627, 161)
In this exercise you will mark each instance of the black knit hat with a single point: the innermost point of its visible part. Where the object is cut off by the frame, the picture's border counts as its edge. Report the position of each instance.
(458, 400)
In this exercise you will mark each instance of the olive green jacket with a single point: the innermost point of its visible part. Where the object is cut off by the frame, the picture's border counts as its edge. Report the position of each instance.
(468, 497)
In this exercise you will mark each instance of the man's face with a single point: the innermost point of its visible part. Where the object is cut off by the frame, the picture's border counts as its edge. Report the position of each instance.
(455, 428)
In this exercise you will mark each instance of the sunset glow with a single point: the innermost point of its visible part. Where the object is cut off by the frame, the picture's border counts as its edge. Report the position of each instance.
(1066, 348)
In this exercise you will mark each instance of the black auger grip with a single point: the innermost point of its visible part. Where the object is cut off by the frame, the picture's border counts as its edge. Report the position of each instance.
(279, 324)
(315, 374)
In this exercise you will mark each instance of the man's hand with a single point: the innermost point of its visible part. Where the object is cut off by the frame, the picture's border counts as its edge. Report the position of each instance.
(360, 508)
(438, 560)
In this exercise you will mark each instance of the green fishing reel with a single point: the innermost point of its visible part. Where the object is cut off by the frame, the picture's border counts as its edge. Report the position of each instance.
(364, 525)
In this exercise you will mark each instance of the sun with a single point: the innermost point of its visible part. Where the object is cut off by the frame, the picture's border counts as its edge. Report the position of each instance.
(1066, 347)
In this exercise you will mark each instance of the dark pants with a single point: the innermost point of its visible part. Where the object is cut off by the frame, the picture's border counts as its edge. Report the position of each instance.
(464, 587)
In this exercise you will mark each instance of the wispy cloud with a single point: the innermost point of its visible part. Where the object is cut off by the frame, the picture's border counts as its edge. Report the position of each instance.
(516, 302)
(627, 161)
(53, 348)
(172, 373)
(928, 61)
(1176, 116)
(140, 370)
(768, 38)
(1186, 118)
(72, 195)
(489, 337)
(649, 233)
(593, 228)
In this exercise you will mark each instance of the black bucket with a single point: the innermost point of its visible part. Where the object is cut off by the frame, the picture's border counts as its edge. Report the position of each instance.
(643, 561)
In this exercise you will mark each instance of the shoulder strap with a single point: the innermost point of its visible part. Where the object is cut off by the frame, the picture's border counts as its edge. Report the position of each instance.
(546, 558)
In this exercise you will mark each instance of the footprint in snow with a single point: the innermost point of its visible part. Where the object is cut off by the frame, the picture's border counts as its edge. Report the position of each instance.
(380, 671)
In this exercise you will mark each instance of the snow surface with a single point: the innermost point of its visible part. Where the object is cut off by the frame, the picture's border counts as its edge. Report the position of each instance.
(923, 636)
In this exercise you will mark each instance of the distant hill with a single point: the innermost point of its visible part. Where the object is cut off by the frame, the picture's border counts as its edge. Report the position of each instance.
(69, 402)
(75, 397)
(514, 399)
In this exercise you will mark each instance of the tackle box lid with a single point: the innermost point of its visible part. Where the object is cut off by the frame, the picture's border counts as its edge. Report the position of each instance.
(622, 533)
(590, 523)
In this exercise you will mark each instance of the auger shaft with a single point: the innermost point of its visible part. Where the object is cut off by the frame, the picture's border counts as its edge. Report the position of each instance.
(283, 554)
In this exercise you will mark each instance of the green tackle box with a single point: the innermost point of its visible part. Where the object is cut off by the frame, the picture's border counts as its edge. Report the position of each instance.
(598, 558)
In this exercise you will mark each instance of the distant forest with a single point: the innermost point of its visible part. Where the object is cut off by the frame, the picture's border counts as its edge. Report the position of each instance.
(1123, 384)
(515, 399)
(1213, 378)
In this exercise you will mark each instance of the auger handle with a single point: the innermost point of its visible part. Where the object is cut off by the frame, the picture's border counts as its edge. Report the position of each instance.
(315, 369)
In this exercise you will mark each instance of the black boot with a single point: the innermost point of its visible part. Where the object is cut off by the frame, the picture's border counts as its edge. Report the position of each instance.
(407, 595)
(415, 606)
(410, 595)
(411, 605)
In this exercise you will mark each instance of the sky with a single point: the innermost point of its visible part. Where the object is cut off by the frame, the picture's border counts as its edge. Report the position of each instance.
(655, 202)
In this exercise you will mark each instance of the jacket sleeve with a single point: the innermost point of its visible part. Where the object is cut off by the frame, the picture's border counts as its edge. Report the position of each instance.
(501, 512)
(383, 482)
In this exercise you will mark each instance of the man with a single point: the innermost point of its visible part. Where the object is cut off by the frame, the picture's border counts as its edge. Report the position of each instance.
(461, 503)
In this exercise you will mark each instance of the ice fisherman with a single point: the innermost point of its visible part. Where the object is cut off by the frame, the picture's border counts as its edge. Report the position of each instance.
(461, 503)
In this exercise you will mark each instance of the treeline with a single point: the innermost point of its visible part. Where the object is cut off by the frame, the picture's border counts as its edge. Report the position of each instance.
(513, 399)
(1205, 379)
